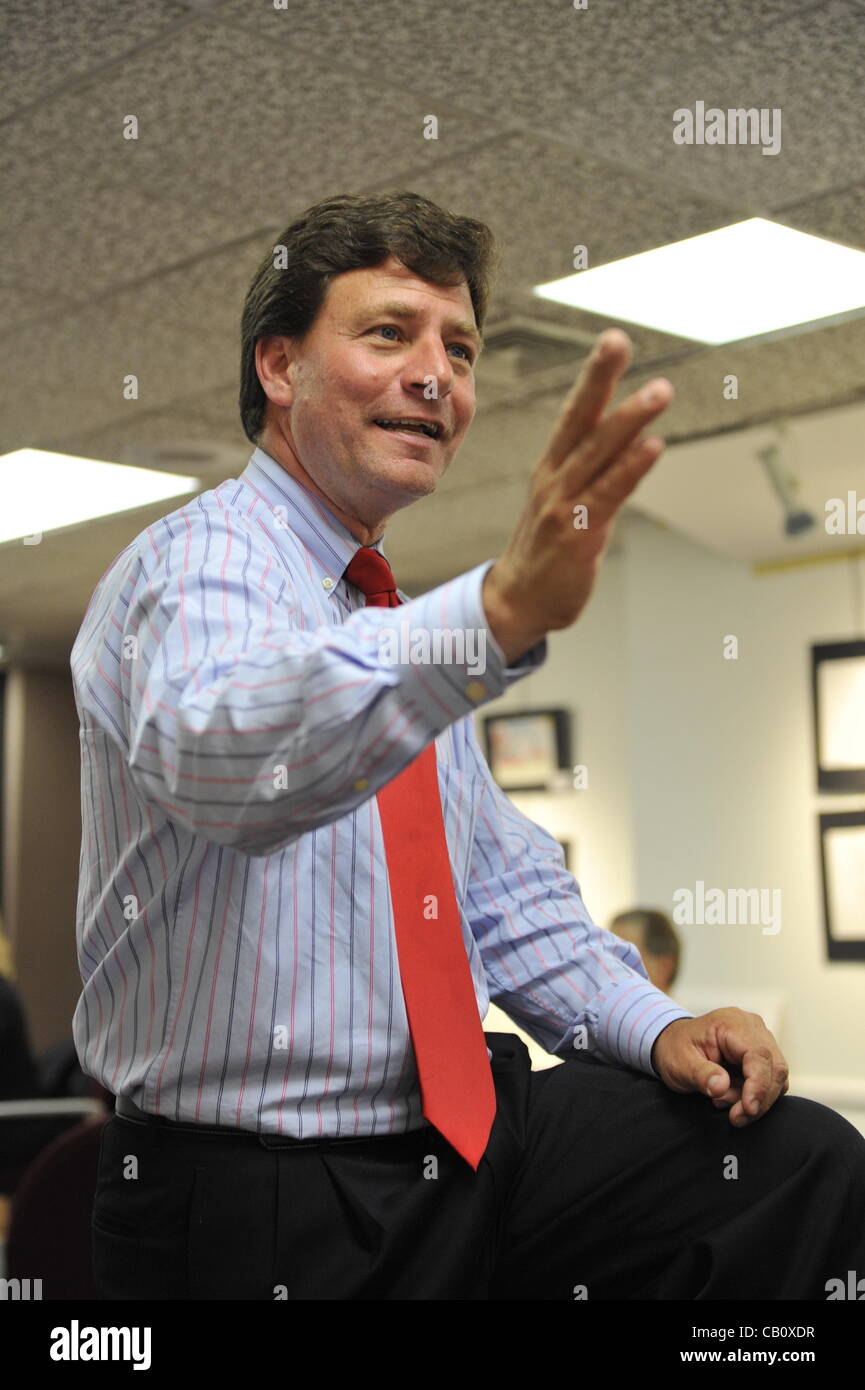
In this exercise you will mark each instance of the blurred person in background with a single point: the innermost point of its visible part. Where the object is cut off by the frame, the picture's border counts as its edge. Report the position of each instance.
(657, 941)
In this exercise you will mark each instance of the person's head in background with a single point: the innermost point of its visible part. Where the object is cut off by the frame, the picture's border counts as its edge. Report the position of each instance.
(655, 938)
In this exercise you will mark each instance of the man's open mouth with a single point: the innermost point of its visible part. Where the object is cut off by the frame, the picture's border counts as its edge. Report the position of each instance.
(429, 428)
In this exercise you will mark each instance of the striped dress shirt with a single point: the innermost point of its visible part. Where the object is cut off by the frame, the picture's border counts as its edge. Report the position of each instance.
(239, 708)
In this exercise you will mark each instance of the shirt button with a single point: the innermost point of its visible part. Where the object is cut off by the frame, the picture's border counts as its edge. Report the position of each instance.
(476, 690)
(327, 583)
(361, 784)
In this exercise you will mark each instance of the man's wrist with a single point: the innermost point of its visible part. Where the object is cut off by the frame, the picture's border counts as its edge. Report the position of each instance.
(514, 633)
(671, 1024)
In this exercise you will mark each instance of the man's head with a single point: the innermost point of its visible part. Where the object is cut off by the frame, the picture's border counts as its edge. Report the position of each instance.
(368, 309)
(655, 938)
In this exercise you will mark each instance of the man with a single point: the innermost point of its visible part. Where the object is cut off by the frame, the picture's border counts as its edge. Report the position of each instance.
(655, 938)
(301, 887)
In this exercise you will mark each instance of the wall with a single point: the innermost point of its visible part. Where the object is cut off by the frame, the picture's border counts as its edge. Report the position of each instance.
(723, 774)
(42, 840)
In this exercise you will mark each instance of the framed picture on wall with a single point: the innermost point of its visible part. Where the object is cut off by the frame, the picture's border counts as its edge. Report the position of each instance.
(838, 685)
(525, 751)
(842, 859)
(569, 850)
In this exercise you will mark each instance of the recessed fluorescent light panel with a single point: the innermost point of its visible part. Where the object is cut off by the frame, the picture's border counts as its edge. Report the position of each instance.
(42, 491)
(745, 281)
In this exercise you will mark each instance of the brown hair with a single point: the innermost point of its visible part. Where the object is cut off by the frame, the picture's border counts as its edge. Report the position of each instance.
(349, 232)
(659, 935)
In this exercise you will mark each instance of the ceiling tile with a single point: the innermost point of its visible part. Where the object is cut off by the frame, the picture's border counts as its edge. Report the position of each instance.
(838, 214)
(809, 66)
(46, 45)
(218, 157)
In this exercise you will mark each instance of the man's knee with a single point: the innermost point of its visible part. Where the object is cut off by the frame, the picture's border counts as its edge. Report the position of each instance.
(821, 1135)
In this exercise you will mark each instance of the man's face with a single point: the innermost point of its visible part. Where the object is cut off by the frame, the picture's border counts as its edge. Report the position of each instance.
(385, 345)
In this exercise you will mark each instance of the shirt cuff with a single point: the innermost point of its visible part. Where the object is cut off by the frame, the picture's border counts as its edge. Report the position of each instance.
(630, 1016)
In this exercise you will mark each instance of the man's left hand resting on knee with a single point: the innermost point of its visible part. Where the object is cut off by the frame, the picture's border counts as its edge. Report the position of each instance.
(687, 1054)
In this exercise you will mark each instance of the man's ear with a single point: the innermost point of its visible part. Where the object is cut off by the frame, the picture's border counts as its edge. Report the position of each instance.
(276, 363)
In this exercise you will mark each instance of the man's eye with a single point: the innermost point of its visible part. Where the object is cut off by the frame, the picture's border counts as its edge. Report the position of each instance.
(391, 328)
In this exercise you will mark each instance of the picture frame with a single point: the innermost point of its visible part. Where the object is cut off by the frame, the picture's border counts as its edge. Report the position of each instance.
(526, 750)
(570, 855)
(842, 863)
(838, 700)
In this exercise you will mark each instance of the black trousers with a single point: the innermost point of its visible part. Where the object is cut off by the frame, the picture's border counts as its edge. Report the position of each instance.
(598, 1182)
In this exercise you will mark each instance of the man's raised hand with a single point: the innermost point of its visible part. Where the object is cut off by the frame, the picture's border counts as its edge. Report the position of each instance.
(544, 577)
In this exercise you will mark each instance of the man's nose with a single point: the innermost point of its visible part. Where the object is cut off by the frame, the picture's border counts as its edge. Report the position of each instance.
(431, 359)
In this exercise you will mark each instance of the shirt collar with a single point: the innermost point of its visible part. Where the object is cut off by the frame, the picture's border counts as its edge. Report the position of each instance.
(322, 534)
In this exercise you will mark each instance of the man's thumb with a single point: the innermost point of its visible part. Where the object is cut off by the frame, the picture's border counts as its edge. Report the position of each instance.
(715, 1082)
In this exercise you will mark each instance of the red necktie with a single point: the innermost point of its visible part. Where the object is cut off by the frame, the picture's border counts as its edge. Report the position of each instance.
(456, 1084)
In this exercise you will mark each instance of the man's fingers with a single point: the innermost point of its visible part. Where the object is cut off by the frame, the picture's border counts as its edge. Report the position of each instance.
(765, 1078)
(609, 491)
(602, 448)
(590, 395)
(766, 1081)
(728, 1098)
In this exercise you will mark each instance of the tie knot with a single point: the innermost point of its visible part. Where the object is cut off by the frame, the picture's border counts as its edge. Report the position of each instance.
(372, 574)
